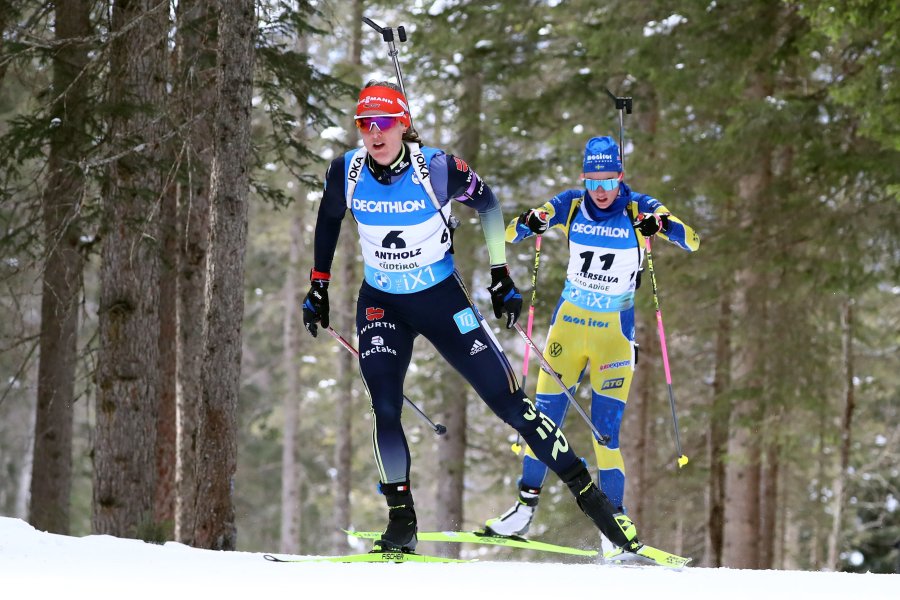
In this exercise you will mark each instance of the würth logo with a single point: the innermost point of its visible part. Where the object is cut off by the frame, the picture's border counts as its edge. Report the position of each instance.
(373, 314)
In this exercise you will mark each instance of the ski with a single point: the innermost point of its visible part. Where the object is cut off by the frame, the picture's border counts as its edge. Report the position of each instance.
(370, 557)
(646, 555)
(480, 537)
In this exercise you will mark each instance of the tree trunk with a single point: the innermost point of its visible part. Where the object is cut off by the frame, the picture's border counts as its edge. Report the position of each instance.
(195, 97)
(822, 458)
(449, 507)
(51, 480)
(166, 422)
(718, 435)
(840, 481)
(451, 465)
(9, 13)
(742, 478)
(768, 510)
(128, 361)
(290, 483)
(220, 372)
(345, 320)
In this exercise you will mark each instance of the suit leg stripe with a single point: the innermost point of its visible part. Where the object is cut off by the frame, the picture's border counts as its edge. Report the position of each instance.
(375, 450)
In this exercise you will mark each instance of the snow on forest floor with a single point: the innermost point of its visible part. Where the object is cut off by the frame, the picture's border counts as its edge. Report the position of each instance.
(35, 564)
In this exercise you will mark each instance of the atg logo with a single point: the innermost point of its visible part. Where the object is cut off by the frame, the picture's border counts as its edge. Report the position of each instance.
(613, 384)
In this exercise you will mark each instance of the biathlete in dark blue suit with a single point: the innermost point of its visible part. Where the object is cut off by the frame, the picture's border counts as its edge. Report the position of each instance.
(400, 196)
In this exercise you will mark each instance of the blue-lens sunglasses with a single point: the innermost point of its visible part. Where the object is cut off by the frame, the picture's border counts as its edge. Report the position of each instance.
(607, 184)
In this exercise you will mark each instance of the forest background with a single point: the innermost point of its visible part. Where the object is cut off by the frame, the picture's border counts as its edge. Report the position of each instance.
(161, 165)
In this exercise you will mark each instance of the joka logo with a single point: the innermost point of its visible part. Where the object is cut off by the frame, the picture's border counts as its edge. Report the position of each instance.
(555, 349)
(477, 347)
(373, 314)
(378, 341)
(355, 166)
(613, 384)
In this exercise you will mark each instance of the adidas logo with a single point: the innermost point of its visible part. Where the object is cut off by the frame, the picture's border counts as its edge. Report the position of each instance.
(477, 347)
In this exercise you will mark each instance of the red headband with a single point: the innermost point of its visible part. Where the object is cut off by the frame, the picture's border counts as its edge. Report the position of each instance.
(385, 100)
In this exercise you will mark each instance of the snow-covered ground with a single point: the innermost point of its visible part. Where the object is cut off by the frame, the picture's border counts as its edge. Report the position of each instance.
(35, 564)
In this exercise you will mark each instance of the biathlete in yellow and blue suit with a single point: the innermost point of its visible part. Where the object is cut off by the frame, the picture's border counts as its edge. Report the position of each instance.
(592, 326)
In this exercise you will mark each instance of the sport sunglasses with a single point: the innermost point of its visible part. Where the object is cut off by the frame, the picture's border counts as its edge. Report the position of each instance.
(382, 122)
(607, 184)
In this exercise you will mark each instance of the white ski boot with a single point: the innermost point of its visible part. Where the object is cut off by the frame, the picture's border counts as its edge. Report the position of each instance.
(517, 520)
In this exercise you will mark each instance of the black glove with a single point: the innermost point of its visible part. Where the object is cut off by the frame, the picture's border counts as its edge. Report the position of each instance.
(651, 223)
(315, 305)
(536, 219)
(505, 298)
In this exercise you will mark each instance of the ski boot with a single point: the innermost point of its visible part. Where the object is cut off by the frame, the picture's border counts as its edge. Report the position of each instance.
(615, 525)
(400, 535)
(516, 520)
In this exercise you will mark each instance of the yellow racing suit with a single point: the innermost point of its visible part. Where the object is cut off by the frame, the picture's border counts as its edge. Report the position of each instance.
(592, 326)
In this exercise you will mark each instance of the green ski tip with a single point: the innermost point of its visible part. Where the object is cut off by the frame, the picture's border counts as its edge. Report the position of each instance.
(647, 555)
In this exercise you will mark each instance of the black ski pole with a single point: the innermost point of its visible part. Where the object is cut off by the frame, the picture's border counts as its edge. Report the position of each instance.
(601, 439)
(623, 105)
(437, 427)
(387, 34)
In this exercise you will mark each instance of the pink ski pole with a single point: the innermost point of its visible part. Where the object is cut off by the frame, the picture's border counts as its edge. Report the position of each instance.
(682, 459)
(517, 447)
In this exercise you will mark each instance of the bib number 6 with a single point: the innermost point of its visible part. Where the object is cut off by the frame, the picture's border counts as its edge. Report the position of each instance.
(393, 240)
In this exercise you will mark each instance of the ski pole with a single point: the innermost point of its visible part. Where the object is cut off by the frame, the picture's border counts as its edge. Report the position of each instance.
(682, 459)
(517, 447)
(601, 439)
(623, 105)
(437, 427)
(387, 34)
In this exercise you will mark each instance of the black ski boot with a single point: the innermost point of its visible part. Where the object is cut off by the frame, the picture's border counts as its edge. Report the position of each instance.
(400, 535)
(615, 525)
